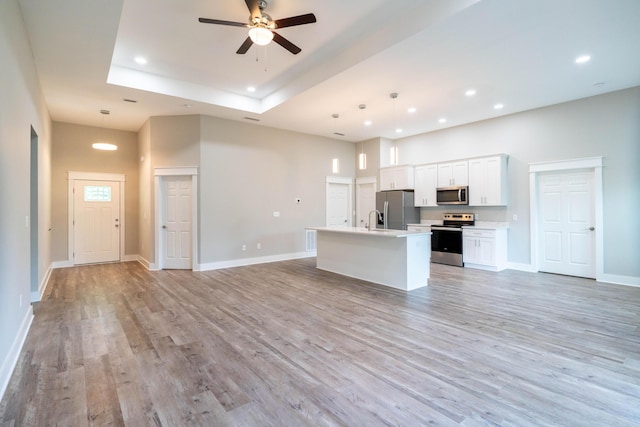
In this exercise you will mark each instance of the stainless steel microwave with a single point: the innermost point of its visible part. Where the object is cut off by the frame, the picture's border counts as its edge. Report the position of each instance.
(452, 195)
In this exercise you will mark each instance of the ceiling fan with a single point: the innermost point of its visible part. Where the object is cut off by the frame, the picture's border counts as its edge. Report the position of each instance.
(261, 27)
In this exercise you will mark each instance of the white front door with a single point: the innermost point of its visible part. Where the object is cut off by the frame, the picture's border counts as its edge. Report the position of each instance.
(177, 227)
(339, 204)
(566, 223)
(96, 221)
(365, 201)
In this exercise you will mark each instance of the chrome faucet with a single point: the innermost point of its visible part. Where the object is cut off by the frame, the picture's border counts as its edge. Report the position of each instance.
(379, 217)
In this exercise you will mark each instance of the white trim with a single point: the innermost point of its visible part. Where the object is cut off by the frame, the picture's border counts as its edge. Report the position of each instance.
(158, 173)
(560, 165)
(36, 296)
(593, 163)
(185, 171)
(9, 363)
(620, 280)
(345, 181)
(367, 180)
(251, 261)
(93, 176)
(521, 267)
(128, 258)
(61, 264)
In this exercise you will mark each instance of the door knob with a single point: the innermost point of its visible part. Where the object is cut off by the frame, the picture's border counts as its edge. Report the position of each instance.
(591, 228)
(116, 225)
(164, 226)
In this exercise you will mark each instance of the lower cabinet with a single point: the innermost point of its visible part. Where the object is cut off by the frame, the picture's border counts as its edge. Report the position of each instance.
(485, 249)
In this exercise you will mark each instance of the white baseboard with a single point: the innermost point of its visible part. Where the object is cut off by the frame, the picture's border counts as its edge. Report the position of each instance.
(619, 280)
(251, 261)
(36, 296)
(9, 362)
(127, 258)
(62, 264)
(521, 267)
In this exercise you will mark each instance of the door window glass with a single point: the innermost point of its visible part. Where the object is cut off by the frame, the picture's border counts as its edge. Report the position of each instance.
(97, 193)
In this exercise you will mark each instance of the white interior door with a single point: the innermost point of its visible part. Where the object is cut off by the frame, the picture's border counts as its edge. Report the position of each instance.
(96, 221)
(339, 204)
(566, 223)
(177, 227)
(365, 201)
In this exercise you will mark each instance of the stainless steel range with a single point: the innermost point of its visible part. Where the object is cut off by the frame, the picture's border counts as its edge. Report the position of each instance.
(446, 239)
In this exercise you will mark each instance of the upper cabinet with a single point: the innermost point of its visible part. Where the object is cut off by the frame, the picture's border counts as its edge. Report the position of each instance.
(453, 174)
(426, 182)
(488, 181)
(397, 178)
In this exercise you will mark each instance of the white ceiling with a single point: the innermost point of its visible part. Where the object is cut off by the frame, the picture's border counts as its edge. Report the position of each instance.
(519, 53)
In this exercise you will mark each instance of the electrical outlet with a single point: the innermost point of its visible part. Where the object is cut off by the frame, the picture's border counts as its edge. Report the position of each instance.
(244, 247)
(276, 214)
(258, 246)
(515, 217)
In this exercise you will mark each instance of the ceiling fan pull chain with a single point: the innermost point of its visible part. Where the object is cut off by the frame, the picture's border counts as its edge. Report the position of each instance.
(266, 63)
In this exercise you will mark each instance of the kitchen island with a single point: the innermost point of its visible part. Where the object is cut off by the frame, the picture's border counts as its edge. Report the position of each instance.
(395, 258)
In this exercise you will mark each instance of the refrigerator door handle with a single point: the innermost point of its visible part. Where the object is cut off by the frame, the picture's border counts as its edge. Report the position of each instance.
(386, 214)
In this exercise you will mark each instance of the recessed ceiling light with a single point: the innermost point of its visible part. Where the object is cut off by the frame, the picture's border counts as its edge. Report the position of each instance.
(442, 120)
(368, 122)
(412, 109)
(251, 89)
(140, 60)
(498, 106)
(470, 92)
(582, 59)
(398, 130)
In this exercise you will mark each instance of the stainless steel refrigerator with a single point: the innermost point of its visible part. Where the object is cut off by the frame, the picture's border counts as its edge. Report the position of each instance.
(397, 209)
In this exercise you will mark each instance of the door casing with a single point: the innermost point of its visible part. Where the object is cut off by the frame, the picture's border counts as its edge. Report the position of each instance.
(92, 176)
(159, 173)
(590, 163)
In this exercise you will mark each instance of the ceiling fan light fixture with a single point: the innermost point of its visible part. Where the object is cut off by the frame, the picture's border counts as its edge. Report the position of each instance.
(260, 36)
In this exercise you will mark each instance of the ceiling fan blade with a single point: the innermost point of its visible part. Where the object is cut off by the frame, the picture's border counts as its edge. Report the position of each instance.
(286, 43)
(245, 46)
(219, 22)
(309, 18)
(254, 9)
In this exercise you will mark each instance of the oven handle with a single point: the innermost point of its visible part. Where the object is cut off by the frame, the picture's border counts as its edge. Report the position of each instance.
(459, 230)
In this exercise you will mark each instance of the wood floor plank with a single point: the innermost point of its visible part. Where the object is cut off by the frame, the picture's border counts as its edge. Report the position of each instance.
(286, 344)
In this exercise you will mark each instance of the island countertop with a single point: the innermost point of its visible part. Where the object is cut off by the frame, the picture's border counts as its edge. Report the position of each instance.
(376, 232)
(395, 258)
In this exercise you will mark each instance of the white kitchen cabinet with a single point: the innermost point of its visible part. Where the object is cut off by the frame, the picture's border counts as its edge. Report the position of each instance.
(453, 174)
(397, 178)
(484, 249)
(426, 182)
(488, 181)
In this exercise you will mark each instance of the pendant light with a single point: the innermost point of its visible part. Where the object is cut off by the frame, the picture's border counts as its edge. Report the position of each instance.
(393, 152)
(362, 157)
(105, 146)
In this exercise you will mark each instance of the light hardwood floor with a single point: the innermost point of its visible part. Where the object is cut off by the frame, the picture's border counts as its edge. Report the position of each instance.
(285, 344)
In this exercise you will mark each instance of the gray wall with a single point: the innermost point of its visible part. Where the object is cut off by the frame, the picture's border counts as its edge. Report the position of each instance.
(21, 107)
(607, 125)
(72, 151)
(248, 172)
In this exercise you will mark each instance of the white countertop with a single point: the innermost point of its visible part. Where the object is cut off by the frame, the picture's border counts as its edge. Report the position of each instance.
(488, 225)
(365, 231)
